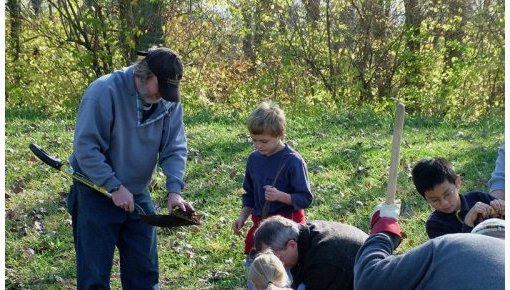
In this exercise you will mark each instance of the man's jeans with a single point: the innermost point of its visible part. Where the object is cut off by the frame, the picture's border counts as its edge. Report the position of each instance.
(98, 227)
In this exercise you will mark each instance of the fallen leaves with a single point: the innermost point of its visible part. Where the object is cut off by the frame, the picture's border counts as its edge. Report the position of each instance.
(39, 226)
(194, 228)
(218, 275)
(19, 186)
(29, 253)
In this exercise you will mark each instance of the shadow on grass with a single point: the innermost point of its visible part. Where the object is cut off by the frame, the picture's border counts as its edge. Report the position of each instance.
(49, 243)
(477, 171)
(31, 114)
(39, 114)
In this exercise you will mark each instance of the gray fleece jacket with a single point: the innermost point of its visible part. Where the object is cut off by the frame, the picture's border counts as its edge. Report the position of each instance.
(112, 146)
(454, 261)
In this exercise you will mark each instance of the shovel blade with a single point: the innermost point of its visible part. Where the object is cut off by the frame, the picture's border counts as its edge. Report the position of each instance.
(166, 221)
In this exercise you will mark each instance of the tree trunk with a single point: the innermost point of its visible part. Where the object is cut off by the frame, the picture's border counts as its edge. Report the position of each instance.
(332, 70)
(454, 36)
(126, 37)
(14, 7)
(412, 25)
(313, 12)
(141, 26)
(150, 25)
(36, 6)
(382, 63)
(248, 45)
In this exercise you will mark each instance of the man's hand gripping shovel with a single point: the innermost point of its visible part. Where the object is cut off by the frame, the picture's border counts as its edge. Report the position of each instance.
(175, 219)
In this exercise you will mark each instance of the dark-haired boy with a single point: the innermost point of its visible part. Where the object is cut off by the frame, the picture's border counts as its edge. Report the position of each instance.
(436, 181)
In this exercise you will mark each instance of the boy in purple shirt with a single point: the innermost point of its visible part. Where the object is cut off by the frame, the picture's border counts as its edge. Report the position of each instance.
(276, 178)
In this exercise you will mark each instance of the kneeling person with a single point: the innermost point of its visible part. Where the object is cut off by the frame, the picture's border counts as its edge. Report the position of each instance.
(319, 254)
(454, 261)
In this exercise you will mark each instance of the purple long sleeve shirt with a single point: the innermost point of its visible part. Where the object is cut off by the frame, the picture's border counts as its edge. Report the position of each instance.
(293, 179)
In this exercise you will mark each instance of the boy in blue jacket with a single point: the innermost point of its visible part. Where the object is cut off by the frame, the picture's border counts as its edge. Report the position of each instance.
(436, 181)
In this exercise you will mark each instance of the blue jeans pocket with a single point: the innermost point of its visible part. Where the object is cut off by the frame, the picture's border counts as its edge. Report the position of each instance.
(71, 200)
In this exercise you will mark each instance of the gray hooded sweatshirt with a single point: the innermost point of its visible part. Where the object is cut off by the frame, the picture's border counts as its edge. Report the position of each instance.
(112, 146)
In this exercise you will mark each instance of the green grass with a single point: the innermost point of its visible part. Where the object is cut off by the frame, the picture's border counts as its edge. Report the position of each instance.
(347, 152)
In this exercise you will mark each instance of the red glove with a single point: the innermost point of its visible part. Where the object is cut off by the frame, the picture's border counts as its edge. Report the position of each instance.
(385, 220)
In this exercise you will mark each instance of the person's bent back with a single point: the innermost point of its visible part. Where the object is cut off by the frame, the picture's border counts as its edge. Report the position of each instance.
(455, 261)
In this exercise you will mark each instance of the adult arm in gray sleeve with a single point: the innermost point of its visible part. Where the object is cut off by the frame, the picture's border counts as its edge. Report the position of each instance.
(92, 138)
(173, 151)
(497, 181)
(376, 269)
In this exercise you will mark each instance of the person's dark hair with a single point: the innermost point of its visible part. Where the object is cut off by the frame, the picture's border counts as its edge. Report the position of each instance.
(429, 172)
(275, 232)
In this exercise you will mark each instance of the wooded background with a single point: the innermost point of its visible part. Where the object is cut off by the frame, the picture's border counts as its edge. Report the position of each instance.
(441, 58)
(337, 68)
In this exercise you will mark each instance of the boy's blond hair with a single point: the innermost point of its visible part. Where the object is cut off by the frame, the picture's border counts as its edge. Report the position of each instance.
(268, 272)
(267, 118)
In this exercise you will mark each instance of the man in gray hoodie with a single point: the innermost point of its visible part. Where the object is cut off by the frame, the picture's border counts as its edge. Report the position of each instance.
(454, 261)
(128, 122)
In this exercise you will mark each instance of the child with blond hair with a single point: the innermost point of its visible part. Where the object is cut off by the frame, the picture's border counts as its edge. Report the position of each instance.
(268, 273)
(276, 177)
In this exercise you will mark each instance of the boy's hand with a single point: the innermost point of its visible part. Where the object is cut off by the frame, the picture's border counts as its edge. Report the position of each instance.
(273, 194)
(498, 207)
(237, 225)
(479, 208)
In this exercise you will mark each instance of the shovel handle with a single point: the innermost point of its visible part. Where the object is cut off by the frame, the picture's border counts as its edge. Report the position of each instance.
(395, 154)
(57, 164)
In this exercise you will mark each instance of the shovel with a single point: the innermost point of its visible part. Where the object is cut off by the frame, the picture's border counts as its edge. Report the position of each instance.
(175, 219)
(395, 153)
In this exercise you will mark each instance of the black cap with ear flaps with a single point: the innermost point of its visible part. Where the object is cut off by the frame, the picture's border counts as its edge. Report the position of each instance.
(167, 66)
